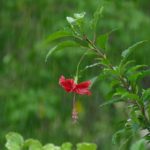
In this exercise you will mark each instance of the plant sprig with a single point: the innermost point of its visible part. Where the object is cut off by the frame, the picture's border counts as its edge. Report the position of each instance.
(124, 77)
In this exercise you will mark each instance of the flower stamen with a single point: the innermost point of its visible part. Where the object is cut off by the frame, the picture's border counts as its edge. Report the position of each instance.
(74, 110)
(74, 115)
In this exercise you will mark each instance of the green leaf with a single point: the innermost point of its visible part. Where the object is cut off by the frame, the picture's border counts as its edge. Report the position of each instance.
(126, 53)
(66, 146)
(124, 67)
(116, 136)
(14, 141)
(104, 62)
(123, 94)
(144, 74)
(139, 145)
(102, 40)
(112, 101)
(81, 42)
(112, 72)
(134, 73)
(97, 15)
(86, 146)
(134, 120)
(33, 144)
(57, 35)
(135, 68)
(130, 96)
(134, 77)
(76, 42)
(51, 147)
(60, 46)
(114, 83)
(146, 94)
(122, 137)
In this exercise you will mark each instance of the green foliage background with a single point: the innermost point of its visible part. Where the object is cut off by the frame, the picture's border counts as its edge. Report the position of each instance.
(31, 101)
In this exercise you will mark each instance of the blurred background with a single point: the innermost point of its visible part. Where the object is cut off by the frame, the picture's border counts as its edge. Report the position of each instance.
(31, 101)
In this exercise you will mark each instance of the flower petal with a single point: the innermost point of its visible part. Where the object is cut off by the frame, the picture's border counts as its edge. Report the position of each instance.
(85, 84)
(67, 84)
(83, 88)
(83, 91)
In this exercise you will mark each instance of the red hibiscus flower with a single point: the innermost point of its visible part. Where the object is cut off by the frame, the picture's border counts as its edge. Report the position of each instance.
(70, 86)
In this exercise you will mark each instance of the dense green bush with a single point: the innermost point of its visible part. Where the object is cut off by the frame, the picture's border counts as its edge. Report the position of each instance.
(16, 142)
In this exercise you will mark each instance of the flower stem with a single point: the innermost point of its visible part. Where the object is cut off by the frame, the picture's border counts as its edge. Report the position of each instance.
(77, 71)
